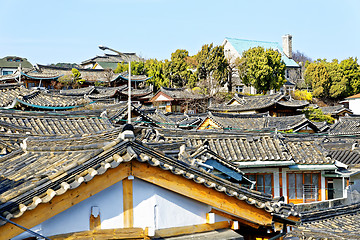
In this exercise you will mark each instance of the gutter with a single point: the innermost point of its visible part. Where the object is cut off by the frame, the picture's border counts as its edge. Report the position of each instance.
(313, 167)
(256, 164)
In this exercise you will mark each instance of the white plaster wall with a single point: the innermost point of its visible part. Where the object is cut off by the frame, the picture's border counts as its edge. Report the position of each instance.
(77, 217)
(354, 105)
(322, 186)
(160, 208)
(154, 207)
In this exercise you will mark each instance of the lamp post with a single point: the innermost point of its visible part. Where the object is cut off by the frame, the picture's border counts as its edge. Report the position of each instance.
(129, 78)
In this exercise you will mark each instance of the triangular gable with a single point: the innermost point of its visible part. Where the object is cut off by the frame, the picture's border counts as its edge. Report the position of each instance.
(208, 123)
(161, 97)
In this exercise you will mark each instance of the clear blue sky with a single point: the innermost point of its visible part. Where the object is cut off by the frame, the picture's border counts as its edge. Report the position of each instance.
(70, 30)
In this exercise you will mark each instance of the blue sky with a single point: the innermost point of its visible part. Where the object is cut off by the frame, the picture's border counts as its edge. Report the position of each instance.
(70, 30)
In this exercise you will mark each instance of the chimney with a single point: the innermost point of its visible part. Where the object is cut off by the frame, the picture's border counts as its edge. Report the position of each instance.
(287, 45)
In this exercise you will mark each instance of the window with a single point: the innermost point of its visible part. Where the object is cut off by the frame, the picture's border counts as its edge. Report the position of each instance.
(239, 89)
(264, 182)
(303, 187)
(7, 72)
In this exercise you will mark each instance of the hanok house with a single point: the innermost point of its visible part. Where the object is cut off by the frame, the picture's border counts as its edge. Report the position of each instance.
(257, 122)
(293, 167)
(10, 64)
(109, 61)
(234, 48)
(276, 105)
(178, 100)
(336, 111)
(98, 186)
(337, 222)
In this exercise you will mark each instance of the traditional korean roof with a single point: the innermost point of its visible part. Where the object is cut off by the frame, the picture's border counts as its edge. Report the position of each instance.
(178, 94)
(293, 103)
(322, 126)
(341, 222)
(247, 103)
(8, 95)
(125, 77)
(14, 62)
(113, 58)
(46, 168)
(334, 110)
(233, 147)
(106, 92)
(90, 75)
(52, 123)
(239, 121)
(294, 123)
(80, 92)
(347, 157)
(348, 125)
(242, 45)
(354, 96)
(307, 151)
(259, 121)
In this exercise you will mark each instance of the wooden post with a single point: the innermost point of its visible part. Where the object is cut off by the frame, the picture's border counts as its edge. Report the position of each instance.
(128, 202)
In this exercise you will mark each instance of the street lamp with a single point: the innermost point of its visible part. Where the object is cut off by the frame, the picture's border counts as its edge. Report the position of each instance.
(129, 78)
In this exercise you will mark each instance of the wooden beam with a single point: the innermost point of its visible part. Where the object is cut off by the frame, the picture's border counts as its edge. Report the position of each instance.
(102, 234)
(240, 220)
(128, 203)
(175, 231)
(201, 193)
(60, 203)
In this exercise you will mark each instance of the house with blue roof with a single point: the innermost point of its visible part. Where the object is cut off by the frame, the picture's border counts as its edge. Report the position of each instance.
(234, 48)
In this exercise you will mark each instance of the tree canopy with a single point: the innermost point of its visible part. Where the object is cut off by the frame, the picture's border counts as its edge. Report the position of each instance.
(262, 68)
(333, 80)
(207, 69)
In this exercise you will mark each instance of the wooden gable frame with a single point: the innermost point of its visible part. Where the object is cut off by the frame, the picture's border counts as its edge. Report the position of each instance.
(250, 214)
(161, 94)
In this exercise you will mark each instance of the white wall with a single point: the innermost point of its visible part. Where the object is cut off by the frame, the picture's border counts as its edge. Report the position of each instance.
(77, 217)
(354, 105)
(159, 208)
(154, 207)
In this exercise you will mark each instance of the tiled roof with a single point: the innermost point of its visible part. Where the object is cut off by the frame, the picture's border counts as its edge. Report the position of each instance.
(239, 121)
(247, 103)
(348, 125)
(180, 93)
(242, 45)
(249, 147)
(354, 96)
(36, 175)
(7, 96)
(52, 124)
(347, 157)
(233, 147)
(259, 121)
(294, 103)
(289, 122)
(333, 110)
(336, 223)
(307, 151)
(113, 58)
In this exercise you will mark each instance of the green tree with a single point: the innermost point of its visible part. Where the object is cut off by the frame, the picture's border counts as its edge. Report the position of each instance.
(317, 76)
(333, 80)
(137, 68)
(317, 115)
(179, 71)
(76, 76)
(262, 68)
(212, 68)
(156, 70)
